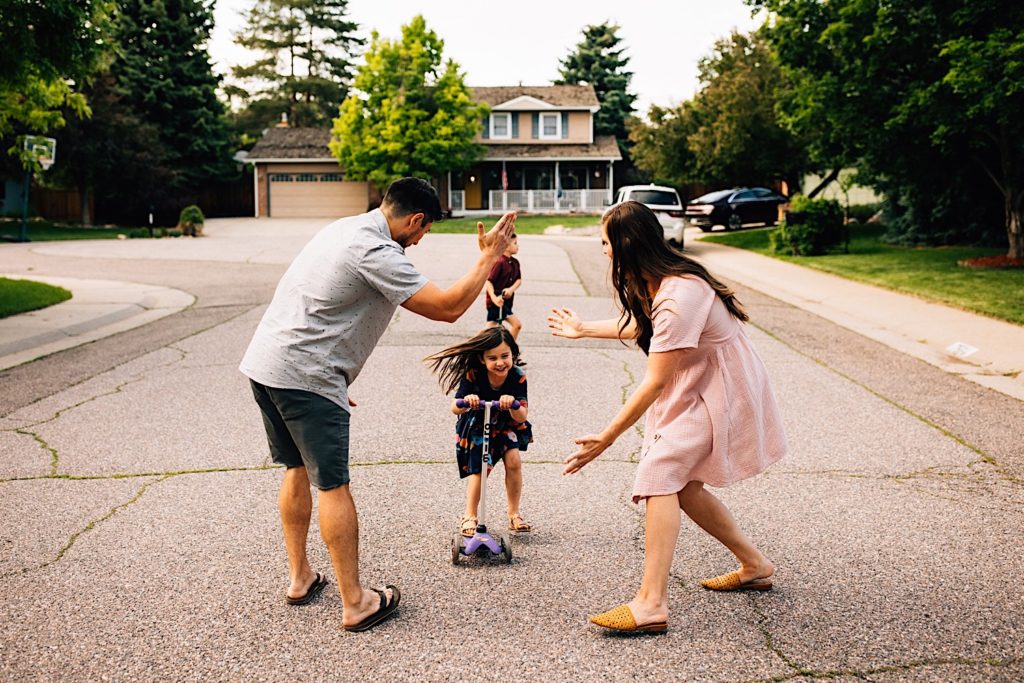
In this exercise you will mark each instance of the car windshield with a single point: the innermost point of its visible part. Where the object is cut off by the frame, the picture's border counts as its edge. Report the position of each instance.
(654, 196)
(712, 197)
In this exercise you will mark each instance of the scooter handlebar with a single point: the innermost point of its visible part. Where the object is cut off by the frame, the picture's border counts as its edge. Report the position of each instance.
(462, 403)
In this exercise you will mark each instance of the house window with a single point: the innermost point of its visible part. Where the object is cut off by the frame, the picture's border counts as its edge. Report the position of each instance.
(501, 125)
(550, 125)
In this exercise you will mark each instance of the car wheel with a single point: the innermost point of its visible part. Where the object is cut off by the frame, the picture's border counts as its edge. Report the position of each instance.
(734, 222)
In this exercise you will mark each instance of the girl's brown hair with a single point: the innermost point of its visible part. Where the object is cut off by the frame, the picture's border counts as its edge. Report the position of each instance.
(640, 256)
(452, 364)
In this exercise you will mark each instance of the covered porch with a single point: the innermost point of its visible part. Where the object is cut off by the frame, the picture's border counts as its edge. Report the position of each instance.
(559, 186)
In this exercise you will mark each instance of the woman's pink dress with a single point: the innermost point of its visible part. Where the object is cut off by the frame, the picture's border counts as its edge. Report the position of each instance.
(716, 421)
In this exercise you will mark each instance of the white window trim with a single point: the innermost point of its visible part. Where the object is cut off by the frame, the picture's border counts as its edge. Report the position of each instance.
(508, 127)
(558, 126)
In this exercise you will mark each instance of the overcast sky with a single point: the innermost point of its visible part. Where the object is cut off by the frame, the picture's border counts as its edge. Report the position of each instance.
(508, 43)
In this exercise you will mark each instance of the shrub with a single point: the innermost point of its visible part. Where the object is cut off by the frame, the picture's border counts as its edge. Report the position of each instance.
(159, 232)
(173, 232)
(811, 228)
(191, 220)
(138, 232)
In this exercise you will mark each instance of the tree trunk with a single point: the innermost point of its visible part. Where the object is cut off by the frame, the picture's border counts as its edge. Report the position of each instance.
(83, 203)
(1014, 222)
(826, 181)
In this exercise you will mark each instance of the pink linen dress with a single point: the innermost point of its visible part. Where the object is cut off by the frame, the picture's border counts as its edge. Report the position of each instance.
(716, 420)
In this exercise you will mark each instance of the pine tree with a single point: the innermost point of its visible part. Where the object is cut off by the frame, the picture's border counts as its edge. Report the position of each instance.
(408, 117)
(164, 75)
(599, 61)
(305, 67)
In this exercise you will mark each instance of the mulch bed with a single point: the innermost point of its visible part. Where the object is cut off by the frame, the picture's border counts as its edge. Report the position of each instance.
(1002, 261)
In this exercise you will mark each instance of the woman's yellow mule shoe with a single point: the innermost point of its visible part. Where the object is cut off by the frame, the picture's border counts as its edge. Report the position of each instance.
(733, 582)
(621, 619)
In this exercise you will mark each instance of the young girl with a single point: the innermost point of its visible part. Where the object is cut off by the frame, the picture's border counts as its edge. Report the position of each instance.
(487, 368)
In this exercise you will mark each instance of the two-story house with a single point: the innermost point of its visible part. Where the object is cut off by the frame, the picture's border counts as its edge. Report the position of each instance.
(541, 156)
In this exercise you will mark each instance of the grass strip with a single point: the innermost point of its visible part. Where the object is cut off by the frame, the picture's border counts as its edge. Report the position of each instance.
(22, 296)
(930, 273)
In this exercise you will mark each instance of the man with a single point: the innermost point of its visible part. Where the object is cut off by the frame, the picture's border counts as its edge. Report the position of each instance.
(328, 312)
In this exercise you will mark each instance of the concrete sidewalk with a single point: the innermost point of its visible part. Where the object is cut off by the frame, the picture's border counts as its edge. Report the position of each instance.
(983, 350)
(97, 309)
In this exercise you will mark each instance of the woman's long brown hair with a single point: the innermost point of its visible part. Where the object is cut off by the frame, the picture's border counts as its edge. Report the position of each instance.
(641, 256)
(452, 364)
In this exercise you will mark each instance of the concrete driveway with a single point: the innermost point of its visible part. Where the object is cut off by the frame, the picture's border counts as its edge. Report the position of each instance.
(141, 539)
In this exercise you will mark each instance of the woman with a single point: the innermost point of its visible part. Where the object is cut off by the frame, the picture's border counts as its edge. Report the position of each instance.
(711, 415)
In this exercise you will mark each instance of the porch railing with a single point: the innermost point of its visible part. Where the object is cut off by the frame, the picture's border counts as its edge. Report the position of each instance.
(458, 200)
(549, 200)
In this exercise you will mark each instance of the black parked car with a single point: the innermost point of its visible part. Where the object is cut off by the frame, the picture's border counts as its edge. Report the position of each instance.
(735, 208)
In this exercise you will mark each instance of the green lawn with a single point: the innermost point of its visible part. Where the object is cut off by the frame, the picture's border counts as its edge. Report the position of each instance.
(525, 225)
(20, 296)
(46, 231)
(931, 273)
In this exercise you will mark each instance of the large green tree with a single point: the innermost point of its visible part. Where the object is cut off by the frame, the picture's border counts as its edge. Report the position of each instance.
(728, 133)
(112, 154)
(410, 113)
(599, 60)
(924, 98)
(306, 52)
(48, 49)
(163, 75)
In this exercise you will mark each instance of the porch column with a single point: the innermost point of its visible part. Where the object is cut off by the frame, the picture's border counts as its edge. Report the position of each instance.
(611, 183)
(558, 188)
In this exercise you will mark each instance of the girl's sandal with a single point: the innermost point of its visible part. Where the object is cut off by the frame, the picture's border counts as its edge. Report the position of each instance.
(518, 524)
(468, 526)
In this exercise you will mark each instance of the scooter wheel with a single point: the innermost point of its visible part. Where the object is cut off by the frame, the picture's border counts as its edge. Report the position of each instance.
(456, 548)
(506, 552)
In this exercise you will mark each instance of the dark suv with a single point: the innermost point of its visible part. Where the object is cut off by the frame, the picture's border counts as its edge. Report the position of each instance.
(735, 208)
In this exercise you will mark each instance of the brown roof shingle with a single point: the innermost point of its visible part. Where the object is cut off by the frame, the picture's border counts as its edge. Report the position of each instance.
(604, 147)
(293, 143)
(555, 95)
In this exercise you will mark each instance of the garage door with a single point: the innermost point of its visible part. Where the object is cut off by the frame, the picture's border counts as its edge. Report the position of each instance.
(325, 195)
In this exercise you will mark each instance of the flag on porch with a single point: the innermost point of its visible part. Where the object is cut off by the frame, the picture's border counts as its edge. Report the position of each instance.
(504, 178)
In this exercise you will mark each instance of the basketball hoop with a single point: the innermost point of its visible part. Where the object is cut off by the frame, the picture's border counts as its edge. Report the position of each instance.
(41, 150)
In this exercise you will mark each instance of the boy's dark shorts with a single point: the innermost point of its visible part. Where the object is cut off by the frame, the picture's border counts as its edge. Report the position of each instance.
(306, 430)
(492, 312)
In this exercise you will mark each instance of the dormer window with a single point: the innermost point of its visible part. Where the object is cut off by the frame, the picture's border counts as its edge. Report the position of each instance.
(550, 126)
(501, 125)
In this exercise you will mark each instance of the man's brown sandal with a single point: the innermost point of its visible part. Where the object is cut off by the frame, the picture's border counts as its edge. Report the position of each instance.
(518, 524)
(468, 526)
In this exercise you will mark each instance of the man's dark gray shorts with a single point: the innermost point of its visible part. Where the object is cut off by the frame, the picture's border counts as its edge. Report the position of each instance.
(306, 430)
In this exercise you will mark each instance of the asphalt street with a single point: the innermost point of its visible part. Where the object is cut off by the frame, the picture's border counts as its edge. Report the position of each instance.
(141, 538)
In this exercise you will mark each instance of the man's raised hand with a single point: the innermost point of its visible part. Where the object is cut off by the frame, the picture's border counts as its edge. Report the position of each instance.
(496, 240)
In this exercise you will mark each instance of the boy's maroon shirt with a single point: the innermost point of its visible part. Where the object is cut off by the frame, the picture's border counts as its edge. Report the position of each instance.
(504, 273)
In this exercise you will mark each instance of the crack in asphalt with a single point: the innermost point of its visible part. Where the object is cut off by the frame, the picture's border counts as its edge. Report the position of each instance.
(988, 458)
(86, 529)
(633, 455)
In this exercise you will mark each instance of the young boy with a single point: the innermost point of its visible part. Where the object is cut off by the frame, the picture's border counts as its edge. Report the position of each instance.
(501, 286)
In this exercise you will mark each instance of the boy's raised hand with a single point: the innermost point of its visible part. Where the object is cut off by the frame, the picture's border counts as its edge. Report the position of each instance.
(497, 239)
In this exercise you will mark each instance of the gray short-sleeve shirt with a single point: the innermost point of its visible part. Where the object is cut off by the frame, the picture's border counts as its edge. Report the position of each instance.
(331, 307)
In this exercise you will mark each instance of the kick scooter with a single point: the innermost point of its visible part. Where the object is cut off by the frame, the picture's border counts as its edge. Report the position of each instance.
(482, 543)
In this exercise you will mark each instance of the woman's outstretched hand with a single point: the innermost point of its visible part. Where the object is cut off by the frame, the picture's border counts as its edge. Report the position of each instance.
(565, 323)
(590, 447)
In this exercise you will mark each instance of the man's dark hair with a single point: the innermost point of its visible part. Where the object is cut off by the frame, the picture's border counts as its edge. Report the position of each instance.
(413, 195)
